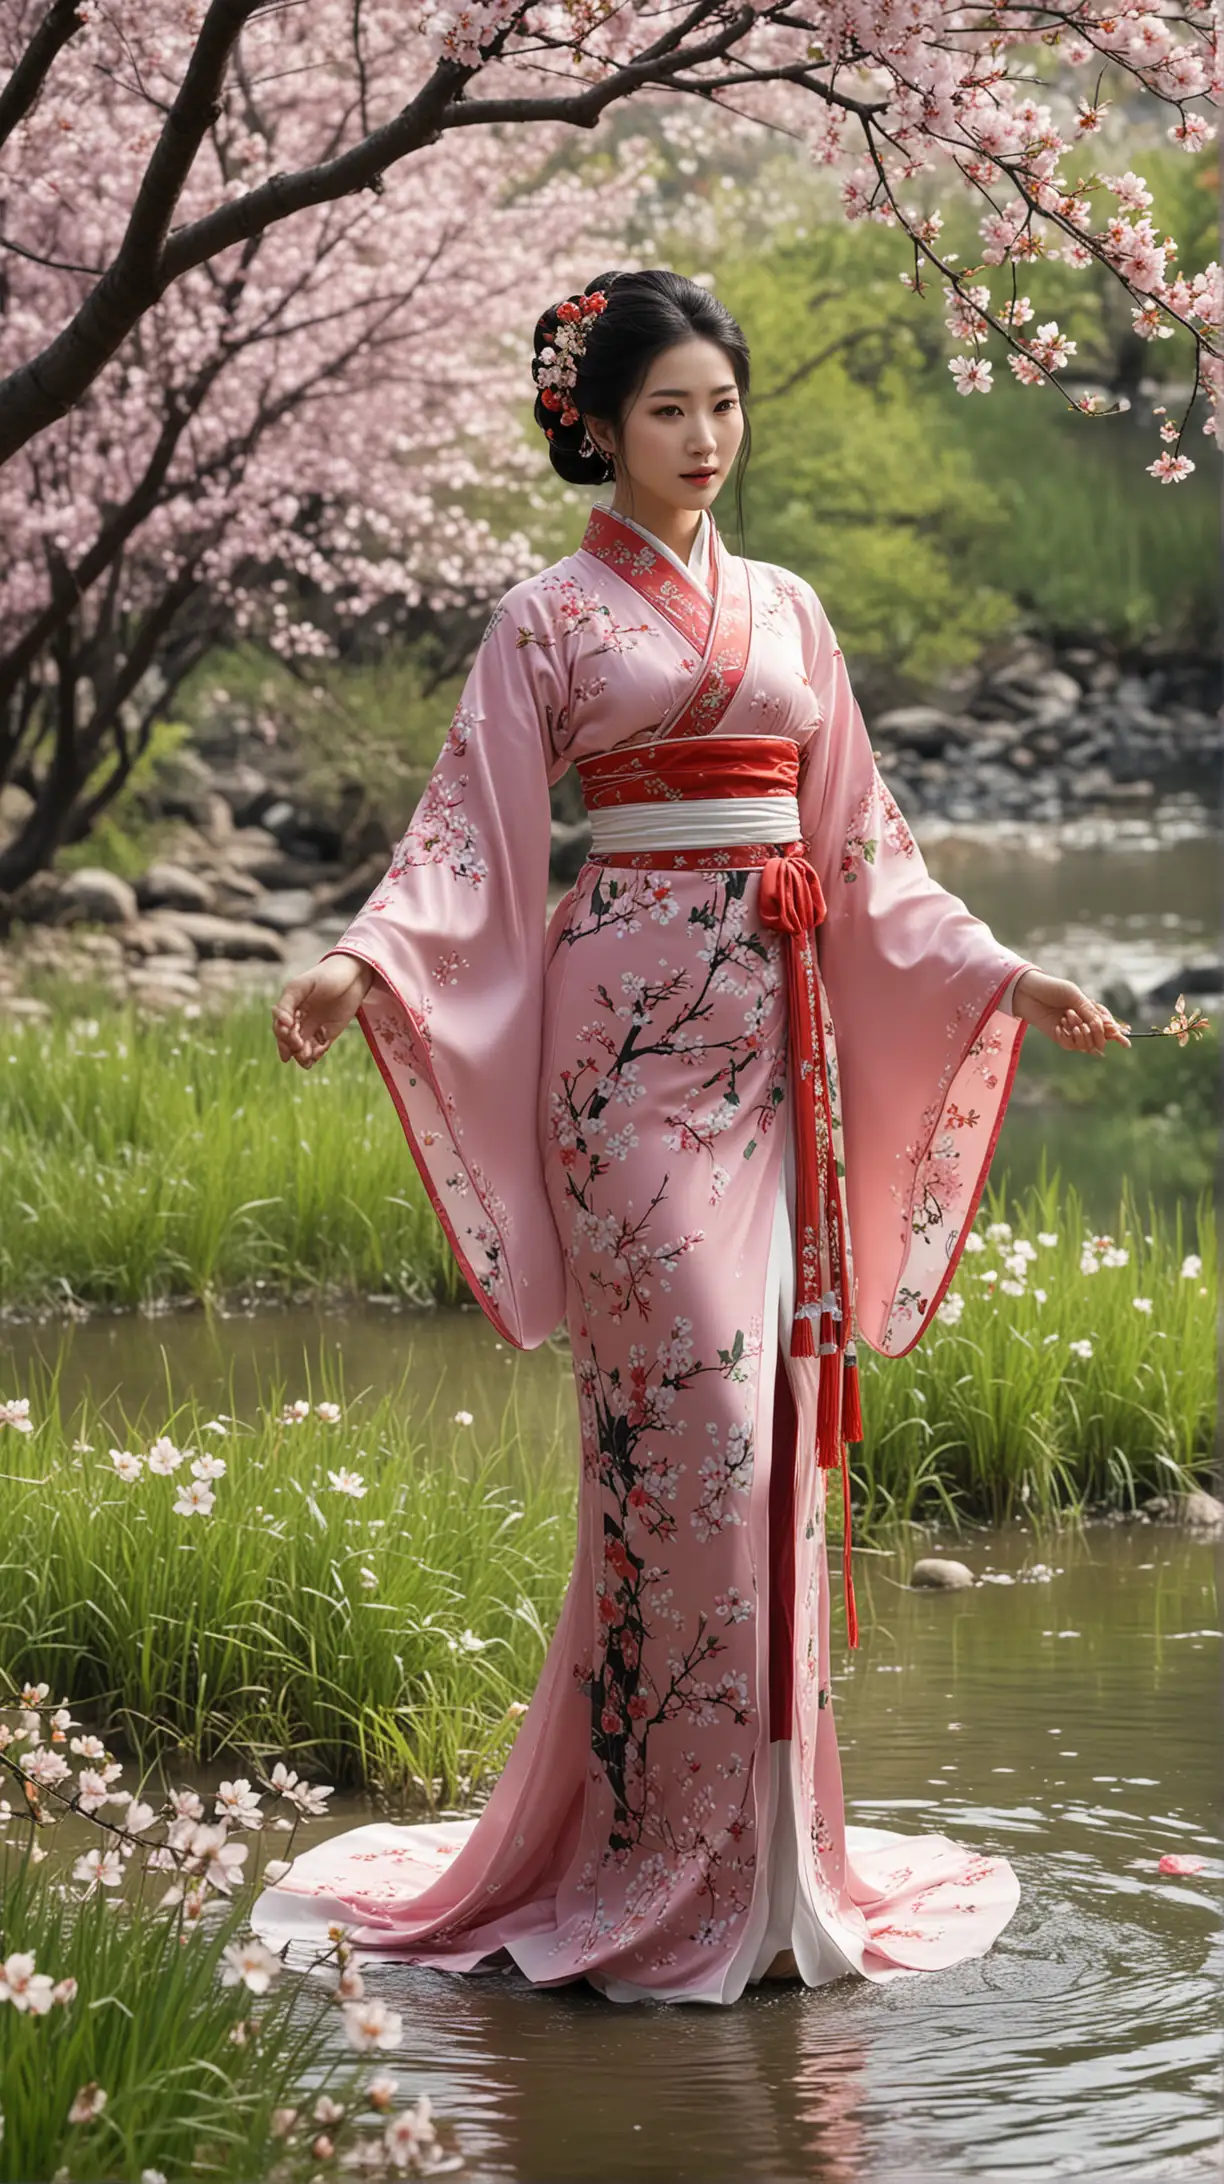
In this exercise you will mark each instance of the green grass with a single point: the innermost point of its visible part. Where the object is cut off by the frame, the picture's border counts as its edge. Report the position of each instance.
(153, 2027)
(385, 1639)
(379, 1639)
(997, 1416)
(183, 1159)
(179, 1158)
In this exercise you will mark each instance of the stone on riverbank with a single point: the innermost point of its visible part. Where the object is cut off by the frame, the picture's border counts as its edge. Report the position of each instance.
(92, 893)
(232, 937)
(1197, 1511)
(933, 1572)
(168, 886)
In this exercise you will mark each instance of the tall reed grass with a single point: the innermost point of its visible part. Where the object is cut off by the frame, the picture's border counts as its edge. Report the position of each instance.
(372, 1596)
(143, 1161)
(145, 2033)
(376, 1595)
(180, 1159)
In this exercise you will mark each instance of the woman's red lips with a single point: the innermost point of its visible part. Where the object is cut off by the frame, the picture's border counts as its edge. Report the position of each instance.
(698, 473)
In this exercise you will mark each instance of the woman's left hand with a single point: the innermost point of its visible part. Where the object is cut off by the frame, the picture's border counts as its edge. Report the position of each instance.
(1057, 1007)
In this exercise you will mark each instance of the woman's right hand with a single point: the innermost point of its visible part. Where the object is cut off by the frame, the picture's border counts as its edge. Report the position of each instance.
(315, 1007)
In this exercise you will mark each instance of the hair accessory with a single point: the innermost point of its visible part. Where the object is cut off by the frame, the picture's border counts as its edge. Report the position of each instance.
(556, 366)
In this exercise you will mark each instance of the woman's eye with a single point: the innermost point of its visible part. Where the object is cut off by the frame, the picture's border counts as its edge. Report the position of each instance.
(727, 402)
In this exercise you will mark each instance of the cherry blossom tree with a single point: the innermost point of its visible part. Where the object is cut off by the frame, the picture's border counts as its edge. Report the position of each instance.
(285, 441)
(892, 87)
(269, 273)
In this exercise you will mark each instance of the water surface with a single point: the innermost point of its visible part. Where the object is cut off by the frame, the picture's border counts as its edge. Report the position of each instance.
(1068, 1721)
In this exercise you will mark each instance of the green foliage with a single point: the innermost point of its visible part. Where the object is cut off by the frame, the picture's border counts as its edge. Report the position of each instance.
(998, 1416)
(379, 723)
(851, 480)
(126, 838)
(382, 1637)
(152, 2026)
(1155, 1122)
(1090, 542)
(174, 1159)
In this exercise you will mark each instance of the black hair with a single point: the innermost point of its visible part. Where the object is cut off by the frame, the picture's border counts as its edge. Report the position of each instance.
(644, 314)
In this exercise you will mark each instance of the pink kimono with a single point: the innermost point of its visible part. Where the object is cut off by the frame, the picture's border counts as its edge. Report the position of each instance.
(733, 1109)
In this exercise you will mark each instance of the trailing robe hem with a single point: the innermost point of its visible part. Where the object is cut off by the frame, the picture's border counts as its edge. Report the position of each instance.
(593, 1103)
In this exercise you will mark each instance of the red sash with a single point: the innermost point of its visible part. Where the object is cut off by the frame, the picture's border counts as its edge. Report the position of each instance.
(791, 901)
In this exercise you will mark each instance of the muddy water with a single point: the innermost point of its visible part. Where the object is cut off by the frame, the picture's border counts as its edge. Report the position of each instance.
(1068, 1721)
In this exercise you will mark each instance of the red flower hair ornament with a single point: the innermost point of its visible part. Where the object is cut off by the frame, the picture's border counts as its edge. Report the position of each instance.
(556, 366)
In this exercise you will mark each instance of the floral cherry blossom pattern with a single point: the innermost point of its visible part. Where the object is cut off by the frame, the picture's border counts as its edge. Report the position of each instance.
(602, 1106)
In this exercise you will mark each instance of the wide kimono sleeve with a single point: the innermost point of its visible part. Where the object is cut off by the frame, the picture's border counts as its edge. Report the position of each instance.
(455, 930)
(918, 992)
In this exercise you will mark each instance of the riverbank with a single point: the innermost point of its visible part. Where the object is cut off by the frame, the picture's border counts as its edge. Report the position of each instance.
(148, 1164)
(261, 859)
(357, 1574)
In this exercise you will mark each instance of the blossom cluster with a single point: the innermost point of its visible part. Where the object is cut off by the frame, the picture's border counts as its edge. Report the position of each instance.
(1016, 1257)
(203, 1859)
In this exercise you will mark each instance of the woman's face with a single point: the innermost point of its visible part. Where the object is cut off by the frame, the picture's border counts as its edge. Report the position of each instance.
(686, 418)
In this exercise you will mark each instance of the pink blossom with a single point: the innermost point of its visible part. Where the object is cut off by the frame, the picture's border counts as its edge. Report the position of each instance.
(973, 375)
(1170, 469)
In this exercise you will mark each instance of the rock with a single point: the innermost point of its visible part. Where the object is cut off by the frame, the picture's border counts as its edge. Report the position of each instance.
(922, 728)
(173, 887)
(247, 851)
(1200, 978)
(236, 890)
(101, 948)
(1200, 1510)
(158, 995)
(285, 911)
(246, 792)
(1094, 781)
(941, 1576)
(16, 806)
(183, 786)
(1042, 686)
(237, 939)
(279, 817)
(23, 1008)
(348, 895)
(372, 833)
(1128, 792)
(170, 974)
(217, 820)
(1121, 999)
(159, 934)
(279, 871)
(93, 894)
(37, 899)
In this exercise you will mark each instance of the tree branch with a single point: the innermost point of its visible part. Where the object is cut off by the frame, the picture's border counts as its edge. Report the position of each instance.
(56, 30)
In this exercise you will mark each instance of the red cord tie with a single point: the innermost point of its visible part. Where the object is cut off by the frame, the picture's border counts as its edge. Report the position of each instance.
(792, 901)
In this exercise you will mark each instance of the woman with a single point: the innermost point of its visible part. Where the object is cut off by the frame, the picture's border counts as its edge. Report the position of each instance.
(734, 1107)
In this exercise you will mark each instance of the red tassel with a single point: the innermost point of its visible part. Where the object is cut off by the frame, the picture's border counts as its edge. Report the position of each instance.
(828, 1406)
(847, 1577)
(852, 1414)
(803, 1342)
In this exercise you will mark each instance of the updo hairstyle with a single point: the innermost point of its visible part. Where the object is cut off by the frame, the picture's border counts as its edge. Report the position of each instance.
(645, 313)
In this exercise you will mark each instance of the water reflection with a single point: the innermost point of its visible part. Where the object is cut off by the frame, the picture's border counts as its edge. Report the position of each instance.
(1060, 1721)
(1096, 904)
(440, 1361)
